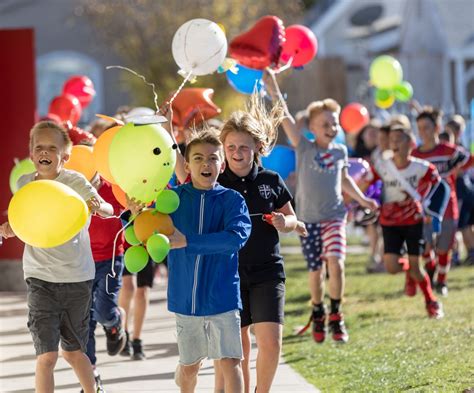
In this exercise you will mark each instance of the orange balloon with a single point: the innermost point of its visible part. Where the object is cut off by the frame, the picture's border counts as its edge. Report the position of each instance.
(149, 222)
(119, 194)
(192, 106)
(81, 161)
(100, 153)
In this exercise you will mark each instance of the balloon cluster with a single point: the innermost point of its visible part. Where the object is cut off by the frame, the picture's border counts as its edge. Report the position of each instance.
(386, 74)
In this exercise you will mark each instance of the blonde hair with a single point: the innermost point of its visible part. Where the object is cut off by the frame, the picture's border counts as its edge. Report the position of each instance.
(258, 122)
(207, 135)
(400, 120)
(457, 123)
(317, 107)
(50, 125)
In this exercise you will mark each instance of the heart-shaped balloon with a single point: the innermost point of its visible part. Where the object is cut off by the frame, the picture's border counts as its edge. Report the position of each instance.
(260, 47)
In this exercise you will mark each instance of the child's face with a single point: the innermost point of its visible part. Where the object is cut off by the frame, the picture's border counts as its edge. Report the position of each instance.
(400, 143)
(383, 140)
(324, 127)
(205, 165)
(240, 149)
(426, 129)
(48, 153)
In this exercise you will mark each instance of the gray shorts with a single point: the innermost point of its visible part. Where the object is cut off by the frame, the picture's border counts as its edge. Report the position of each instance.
(214, 337)
(445, 239)
(58, 312)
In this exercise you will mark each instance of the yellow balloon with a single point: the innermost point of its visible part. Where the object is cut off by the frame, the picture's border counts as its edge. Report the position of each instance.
(384, 104)
(81, 161)
(46, 213)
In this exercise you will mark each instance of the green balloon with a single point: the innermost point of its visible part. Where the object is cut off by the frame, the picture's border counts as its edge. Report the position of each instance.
(383, 94)
(21, 168)
(403, 92)
(142, 160)
(167, 202)
(136, 258)
(385, 72)
(130, 236)
(158, 246)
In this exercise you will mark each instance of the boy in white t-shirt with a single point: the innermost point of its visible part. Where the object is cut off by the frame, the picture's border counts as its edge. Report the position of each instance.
(59, 279)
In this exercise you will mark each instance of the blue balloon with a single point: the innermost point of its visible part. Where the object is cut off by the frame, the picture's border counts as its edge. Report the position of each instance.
(340, 136)
(282, 160)
(246, 79)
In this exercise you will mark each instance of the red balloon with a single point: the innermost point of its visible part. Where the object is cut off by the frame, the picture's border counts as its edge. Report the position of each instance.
(81, 87)
(66, 107)
(301, 46)
(79, 136)
(354, 117)
(192, 106)
(259, 47)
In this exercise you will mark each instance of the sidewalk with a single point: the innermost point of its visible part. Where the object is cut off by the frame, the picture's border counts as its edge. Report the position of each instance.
(119, 375)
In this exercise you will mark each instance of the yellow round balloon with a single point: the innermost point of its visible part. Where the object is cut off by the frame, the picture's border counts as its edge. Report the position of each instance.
(385, 104)
(81, 161)
(46, 213)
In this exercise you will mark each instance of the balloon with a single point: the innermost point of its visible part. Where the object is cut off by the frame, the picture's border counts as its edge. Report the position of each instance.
(383, 94)
(385, 72)
(80, 86)
(199, 47)
(100, 153)
(46, 213)
(136, 258)
(79, 136)
(167, 202)
(385, 104)
(300, 46)
(149, 222)
(130, 236)
(246, 80)
(119, 195)
(259, 47)
(281, 159)
(358, 168)
(66, 107)
(21, 168)
(340, 136)
(354, 117)
(81, 161)
(192, 106)
(142, 160)
(403, 92)
(158, 247)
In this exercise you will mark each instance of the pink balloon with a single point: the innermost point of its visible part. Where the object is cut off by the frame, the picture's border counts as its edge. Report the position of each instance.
(81, 87)
(67, 107)
(354, 117)
(301, 46)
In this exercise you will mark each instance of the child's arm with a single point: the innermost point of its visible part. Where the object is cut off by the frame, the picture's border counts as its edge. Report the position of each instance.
(98, 206)
(6, 230)
(350, 187)
(288, 124)
(284, 219)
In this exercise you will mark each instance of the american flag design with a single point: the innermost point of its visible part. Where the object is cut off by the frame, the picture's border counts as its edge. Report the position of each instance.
(325, 162)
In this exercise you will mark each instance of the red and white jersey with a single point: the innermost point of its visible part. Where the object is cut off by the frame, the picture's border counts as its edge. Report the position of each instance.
(447, 158)
(398, 207)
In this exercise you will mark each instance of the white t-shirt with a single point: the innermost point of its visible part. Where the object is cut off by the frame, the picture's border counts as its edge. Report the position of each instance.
(71, 261)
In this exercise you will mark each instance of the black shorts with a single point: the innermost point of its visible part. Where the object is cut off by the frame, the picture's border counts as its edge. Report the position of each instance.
(395, 236)
(145, 276)
(263, 302)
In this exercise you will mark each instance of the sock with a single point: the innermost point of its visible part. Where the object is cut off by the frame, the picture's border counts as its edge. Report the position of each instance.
(335, 305)
(410, 280)
(430, 263)
(425, 287)
(443, 267)
(318, 310)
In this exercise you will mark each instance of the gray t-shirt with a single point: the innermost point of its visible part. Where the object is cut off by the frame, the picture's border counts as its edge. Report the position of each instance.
(71, 261)
(318, 188)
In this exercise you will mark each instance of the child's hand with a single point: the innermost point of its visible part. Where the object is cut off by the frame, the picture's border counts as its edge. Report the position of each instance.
(370, 204)
(301, 229)
(6, 231)
(269, 84)
(177, 239)
(93, 204)
(278, 221)
(134, 206)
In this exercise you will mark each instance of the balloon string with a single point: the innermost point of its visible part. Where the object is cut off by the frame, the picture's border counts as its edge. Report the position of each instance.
(179, 88)
(155, 95)
(280, 96)
(285, 67)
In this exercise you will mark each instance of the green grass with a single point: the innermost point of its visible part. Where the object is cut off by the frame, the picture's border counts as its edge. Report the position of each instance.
(393, 346)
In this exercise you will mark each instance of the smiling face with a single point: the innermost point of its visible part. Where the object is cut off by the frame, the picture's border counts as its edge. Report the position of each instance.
(240, 149)
(400, 143)
(427, 130)
(324, 127)
(48, 153)
(205, 163)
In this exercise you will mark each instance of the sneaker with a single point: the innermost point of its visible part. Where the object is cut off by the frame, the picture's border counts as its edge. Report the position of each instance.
(98, 384)
(441, 289)
(338, 328)
(410, 286)
(115, 336)
(127, 349)
(435, 309)
(319, 328)
(137, 350)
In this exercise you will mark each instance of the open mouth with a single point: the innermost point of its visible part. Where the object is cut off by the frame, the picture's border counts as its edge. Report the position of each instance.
(330, 135)
(45, 161)
(206, 174)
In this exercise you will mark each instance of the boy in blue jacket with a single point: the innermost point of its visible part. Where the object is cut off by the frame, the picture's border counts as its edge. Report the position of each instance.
(212, 225)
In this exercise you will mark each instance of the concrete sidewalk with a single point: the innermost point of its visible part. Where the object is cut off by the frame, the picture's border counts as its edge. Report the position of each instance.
(119, 375)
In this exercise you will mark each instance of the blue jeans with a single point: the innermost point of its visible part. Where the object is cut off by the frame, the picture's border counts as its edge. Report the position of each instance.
(104, 305)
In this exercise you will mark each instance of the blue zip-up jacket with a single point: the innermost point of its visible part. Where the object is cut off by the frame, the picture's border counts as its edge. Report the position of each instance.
(203, 277)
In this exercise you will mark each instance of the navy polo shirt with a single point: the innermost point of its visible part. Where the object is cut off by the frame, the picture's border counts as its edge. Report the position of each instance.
(264, 192)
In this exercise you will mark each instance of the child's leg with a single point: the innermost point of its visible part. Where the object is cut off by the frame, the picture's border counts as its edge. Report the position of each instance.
(187, 377)
(269, 338)
(443, 248)
(392, 264)
(83, 369)
(246, 347)
(336, 277)
(218, 377)
(44, 376)
(232, 372)
(316, 285)
(126, 295)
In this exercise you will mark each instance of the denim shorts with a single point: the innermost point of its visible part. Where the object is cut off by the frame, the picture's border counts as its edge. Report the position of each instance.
(58, 312)
(214, 337)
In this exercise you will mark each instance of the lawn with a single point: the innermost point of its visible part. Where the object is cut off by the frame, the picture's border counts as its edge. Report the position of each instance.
(393, 345)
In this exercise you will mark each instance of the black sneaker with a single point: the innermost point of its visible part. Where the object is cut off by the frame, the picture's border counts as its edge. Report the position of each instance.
(127, 349)
(441, 289)
(338, 328)
(138, 353)
(116, 337)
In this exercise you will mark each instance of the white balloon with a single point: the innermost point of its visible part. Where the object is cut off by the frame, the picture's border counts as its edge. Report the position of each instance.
(199, 46)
